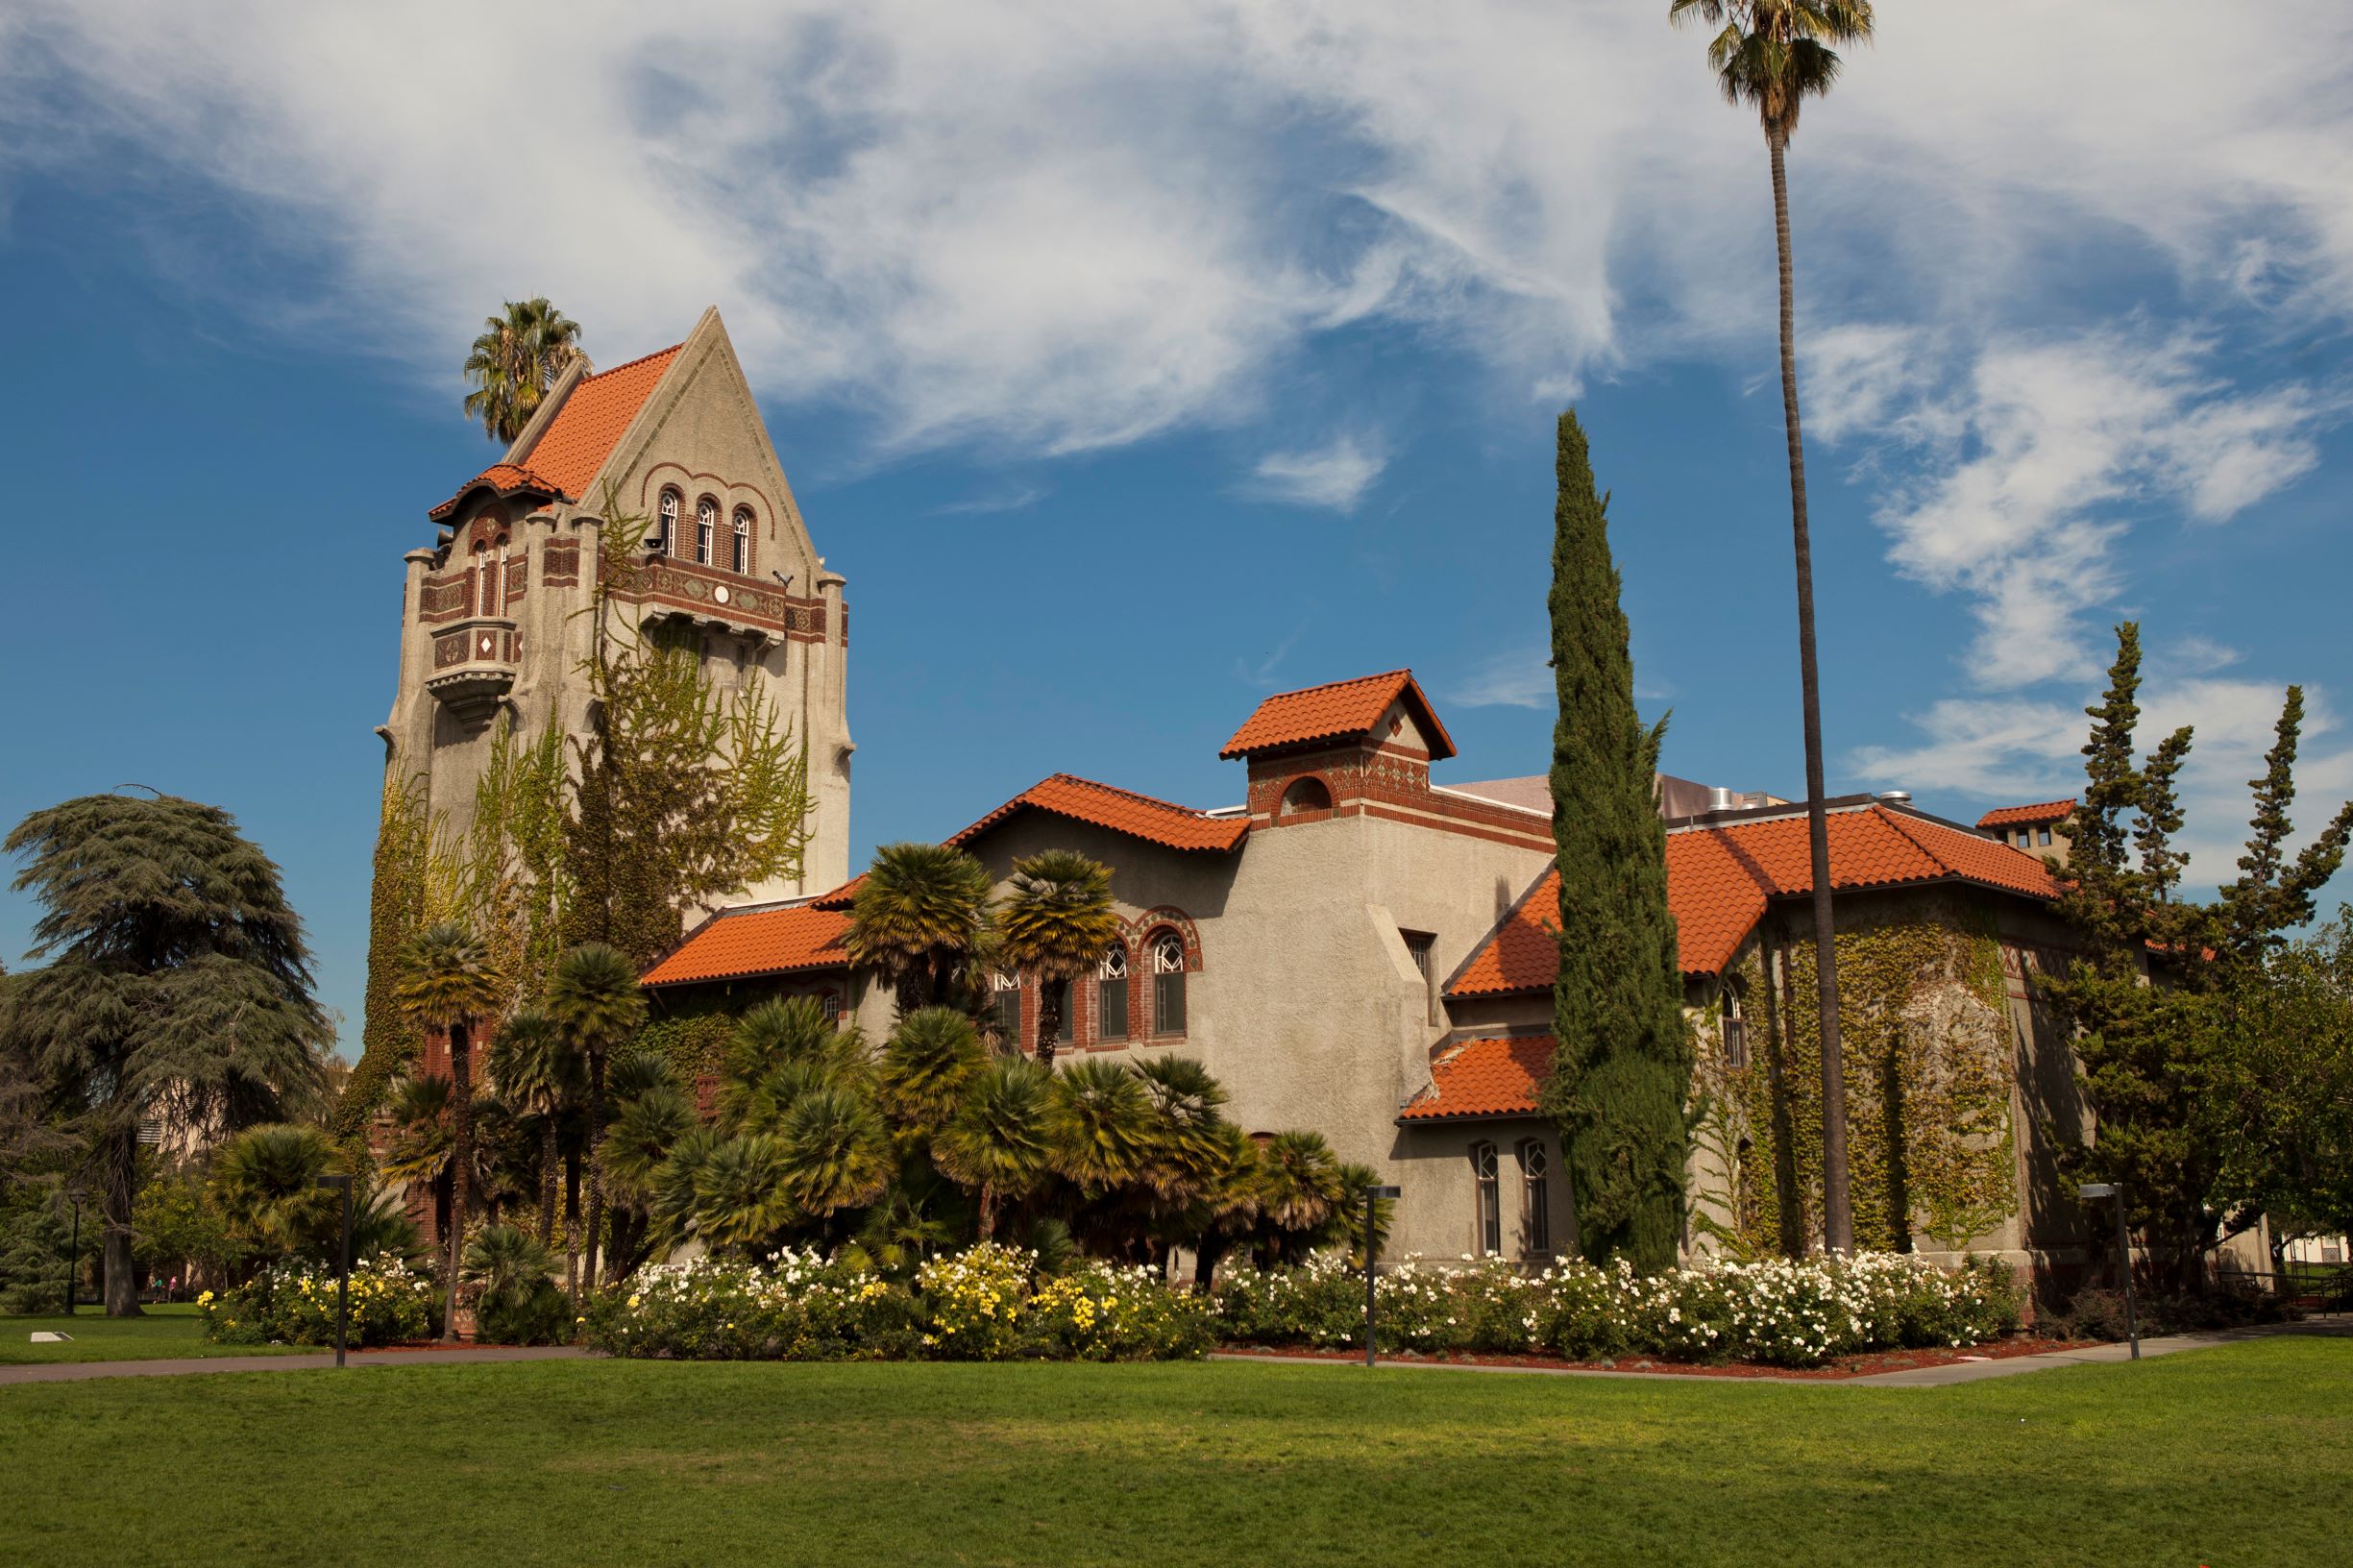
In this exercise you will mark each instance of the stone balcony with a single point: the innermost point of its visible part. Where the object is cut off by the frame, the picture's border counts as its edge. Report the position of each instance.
(475, 663)
(665, 586)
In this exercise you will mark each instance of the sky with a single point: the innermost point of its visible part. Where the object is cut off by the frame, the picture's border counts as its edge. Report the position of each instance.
(1134, 362)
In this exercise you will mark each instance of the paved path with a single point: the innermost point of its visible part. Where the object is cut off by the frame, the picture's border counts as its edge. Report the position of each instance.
(191, 1365)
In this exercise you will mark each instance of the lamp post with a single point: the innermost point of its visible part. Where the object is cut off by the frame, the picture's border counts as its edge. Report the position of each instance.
(2089, 1192)
(343, 1266)
(1372, 1197)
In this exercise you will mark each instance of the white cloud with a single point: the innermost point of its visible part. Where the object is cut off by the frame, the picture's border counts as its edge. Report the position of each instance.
(1334, 477)
(1051, 229)
(1509, 680)
(1017, 498)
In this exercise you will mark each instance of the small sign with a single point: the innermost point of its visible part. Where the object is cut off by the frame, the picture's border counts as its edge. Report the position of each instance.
(45, 1337)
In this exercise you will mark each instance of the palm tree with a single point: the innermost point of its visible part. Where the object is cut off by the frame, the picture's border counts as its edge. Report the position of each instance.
(1100, 1122)
(837, 1151)
(449, 982)
(647, 1128)
(1055, 929)
(265, 1183)
(1772, 54)
(593, 1000)
(514, 362)
(540, 1073)
(996, 1142)
(1299, 1184)
(919, 918)
(1228, 1204)
(927, 1065)
(423, 1144)
(743, 1195)
(1189, 1127)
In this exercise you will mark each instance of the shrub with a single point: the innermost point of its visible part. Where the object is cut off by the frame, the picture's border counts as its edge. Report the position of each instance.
(294, 1304)
(1099, 1313)
(972, 1301)
(517, 1303)
(796, 1308)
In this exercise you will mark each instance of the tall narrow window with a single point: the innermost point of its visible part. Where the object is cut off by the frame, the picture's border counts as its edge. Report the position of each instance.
(1484, 1178)
(742, 541)
(2041, 836)
(669, 522)
(1005, 1005)
(1111, 994)
(1535, 1201)
(1066, 1029)
(1422, 948)
(1168, 984)
(706, 524)
(1735, 1029)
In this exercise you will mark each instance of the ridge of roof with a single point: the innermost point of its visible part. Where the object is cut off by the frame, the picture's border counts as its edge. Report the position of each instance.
(2047, 811)
(594, 414)
(1335, 709)
(1137, 815)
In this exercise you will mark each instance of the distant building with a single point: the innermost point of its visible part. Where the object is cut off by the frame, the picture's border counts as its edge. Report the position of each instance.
(2042, 829)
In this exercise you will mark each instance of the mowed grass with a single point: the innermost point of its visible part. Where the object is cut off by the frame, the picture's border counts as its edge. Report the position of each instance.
(165, 1334)
(2240, 1455)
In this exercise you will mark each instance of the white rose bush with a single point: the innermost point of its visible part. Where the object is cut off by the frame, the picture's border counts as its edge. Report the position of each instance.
(294, 1304)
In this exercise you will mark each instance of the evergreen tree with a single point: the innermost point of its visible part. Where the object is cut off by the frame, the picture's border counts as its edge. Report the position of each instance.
(1622, 1072)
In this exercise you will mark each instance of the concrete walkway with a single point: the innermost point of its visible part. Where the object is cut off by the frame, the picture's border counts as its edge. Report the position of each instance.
(193, 1365)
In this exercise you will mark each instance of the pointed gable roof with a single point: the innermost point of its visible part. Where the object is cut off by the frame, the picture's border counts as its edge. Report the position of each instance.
(501, 480)
(1120, 811)
(1340, 710)
(573, 447)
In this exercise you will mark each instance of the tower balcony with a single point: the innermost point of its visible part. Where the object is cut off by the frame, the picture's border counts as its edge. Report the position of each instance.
(665, 586)
(475, 663)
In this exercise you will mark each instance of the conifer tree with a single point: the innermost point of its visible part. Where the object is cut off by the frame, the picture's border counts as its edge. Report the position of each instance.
(1622, 1072)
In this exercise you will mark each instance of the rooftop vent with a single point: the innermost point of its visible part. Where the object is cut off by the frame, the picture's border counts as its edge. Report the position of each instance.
(1719, 798)
(1895, 798)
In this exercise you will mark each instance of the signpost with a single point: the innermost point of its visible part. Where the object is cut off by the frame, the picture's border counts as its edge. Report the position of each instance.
(1372, 1197)
(2089, 1192)
(343, 1265)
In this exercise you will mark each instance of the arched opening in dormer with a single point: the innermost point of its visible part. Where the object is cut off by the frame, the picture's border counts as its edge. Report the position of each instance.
(1306, 794)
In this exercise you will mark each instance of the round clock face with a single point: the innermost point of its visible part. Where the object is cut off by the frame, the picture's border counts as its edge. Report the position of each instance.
(720, 592)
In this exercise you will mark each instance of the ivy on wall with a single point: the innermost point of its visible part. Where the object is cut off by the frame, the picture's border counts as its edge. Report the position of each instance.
(396, 906)
(1931, 1144)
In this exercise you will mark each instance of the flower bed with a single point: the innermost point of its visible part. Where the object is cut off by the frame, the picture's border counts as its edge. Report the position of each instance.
(983, 1304)
(1772, 1314)
(294, 1304)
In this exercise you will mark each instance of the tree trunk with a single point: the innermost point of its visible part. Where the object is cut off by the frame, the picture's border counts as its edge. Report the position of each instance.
(122, 1190)
(549, 1157)
(1049, 1021)
(1206, 1255)
(571, 1227)
(1837, 1211)
(461, 1161)
(988, 1211)
(596, 1170)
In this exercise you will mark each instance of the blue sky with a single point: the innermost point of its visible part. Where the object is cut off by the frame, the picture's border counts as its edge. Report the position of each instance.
(1133, 364)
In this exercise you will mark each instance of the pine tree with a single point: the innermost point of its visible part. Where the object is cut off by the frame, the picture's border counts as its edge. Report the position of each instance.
(1622, 1072)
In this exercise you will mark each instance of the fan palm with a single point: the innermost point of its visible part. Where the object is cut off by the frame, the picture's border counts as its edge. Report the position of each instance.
(1053, 928)
(514, 361)
(423, 1143)
(265, 1183)
(930, 1057)
(450, 982)
(1189, 1145)
(837, 1151)
(1101, 1125)
(743, 1196)
(670, 1189)
(1299, 1184)
(645, 1131)
(1227, 1206)
(996, 1142)
(540, 1074)
(920, 917)
(593, 1000)
(1771, 56)
(779, 1049)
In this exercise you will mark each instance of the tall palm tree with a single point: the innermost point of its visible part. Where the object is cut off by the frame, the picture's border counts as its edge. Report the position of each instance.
(450, 982)
(513, 364)
(593, 1000)
(1772, 54)
(919, 919)
(1055, 927)
(996, 1143)
(541, 1075)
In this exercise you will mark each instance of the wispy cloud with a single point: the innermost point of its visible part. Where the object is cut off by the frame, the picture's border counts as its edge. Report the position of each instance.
(1017, 499)
(1334, 477)
(1519, 679)
(1260, 670)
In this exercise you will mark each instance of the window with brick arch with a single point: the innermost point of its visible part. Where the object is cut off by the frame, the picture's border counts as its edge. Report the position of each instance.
(671, 502)
(706, 527)
(1110, 994)
(1487, 1189)
(742, 559)
(1168, 951)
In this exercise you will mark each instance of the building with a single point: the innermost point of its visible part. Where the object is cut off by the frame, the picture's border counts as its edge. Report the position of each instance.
(491, 628)
(2043, 830)
(1362, 951)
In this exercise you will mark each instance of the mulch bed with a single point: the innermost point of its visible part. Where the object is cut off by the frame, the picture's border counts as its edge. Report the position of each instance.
(1846, 1366)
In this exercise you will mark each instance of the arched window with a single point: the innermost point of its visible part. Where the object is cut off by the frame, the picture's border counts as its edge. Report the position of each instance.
(1168, 984)
(706, 524)
(669, 522)
(1486, 1182)
(1536, 1200)
(1110, 994)
(742, 539)
(1306, 794)
(1735, 1027)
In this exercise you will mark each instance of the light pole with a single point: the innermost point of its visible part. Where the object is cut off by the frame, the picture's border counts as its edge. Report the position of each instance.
(343, 1267)
(1372, 1197)
(2090, 1191)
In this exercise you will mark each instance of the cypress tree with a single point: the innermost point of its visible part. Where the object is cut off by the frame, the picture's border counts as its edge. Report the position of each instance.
(1622, 1072)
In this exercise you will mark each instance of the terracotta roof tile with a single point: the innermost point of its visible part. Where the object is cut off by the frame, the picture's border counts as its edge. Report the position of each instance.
(841, 898)
(1719, 880)
(1122, 811)
(2049, 811)
(504, 478)
(733, 944)
(1340, 710)
(1484, 1078)
(585, 429)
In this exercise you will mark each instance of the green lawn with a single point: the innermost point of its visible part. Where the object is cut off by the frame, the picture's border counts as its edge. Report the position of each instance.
(166, 1332)
(2240, 1455)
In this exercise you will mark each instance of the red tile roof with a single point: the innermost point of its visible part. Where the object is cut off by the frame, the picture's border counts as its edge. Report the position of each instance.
(597, 409)
(733, 944)
(1341, 710)
(2049, 811)
(504, 478)
(1122, 811)
(841, 898)
(1484, 1078)
(1720, 878)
